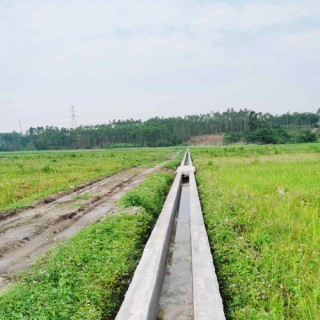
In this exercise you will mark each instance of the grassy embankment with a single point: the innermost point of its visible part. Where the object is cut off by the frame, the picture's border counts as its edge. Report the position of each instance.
(86, 277)
(261, 208)
(30, 176)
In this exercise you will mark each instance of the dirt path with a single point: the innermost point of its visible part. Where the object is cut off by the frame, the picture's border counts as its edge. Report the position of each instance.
(27, 234)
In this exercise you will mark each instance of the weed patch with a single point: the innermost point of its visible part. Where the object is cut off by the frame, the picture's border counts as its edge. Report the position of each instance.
(148, 195)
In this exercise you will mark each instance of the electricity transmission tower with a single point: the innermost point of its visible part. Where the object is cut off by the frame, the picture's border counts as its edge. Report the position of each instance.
(20, 126)
(73, 118)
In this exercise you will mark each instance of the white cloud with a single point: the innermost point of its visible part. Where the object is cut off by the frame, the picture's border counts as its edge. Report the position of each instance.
(307, 39)
(97, 49)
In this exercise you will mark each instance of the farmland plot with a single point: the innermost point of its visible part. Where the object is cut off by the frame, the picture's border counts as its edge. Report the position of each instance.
(29, 176)
(87, 276)
(26, 233)
(261, 208)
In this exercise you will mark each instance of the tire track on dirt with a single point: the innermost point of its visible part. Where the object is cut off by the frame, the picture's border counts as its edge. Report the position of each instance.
(29, 233)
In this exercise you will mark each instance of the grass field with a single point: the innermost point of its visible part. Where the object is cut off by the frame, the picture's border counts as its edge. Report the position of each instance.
(86, 277)
(261, 206)
(29, 176)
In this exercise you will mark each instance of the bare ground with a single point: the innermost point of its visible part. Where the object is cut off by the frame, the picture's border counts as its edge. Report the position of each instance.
(25, 235)
(206, 140)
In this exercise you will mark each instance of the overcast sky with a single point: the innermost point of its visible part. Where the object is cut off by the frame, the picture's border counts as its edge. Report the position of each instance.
(119, 59)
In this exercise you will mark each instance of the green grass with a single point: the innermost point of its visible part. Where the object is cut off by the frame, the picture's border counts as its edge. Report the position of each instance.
(147, 195)
(261, 208)
(174, 163)
(30, 176)
(86, 277)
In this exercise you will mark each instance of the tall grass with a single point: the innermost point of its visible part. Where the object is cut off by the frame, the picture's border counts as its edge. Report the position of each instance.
(262, 208)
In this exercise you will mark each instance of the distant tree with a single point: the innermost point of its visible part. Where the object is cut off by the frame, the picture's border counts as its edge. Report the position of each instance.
(306, 137)
(258, 121)
(255, 127)
(230, 138)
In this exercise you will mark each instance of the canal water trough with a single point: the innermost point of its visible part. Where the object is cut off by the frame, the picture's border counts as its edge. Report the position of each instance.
(175, 278)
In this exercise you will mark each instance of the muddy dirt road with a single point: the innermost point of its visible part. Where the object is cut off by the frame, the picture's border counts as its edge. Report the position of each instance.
(26, 235)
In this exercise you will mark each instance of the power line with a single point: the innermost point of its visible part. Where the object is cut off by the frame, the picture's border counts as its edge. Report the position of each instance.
(73, 118)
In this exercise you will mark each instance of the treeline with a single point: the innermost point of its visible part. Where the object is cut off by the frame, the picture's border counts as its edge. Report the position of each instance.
(154, 132)
(261, 130)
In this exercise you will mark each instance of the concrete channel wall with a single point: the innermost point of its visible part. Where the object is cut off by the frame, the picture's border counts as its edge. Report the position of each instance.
(207, 302)
(142, 298)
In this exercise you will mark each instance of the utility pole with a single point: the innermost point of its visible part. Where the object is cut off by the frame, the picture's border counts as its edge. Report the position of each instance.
(20, 126)
(73, 118)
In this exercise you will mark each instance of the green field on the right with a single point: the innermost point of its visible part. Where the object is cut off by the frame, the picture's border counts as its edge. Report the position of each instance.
(262, 211)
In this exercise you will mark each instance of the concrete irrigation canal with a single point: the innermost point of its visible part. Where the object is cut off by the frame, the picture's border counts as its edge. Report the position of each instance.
(175, 278)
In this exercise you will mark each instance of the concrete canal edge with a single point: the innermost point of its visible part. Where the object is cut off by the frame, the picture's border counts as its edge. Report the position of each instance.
(207, 302)
(142, 298)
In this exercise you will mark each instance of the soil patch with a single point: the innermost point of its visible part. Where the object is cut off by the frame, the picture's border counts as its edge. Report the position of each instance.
(206, 140)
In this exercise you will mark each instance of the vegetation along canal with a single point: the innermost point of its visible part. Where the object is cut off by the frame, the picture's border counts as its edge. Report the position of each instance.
(175, 278)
